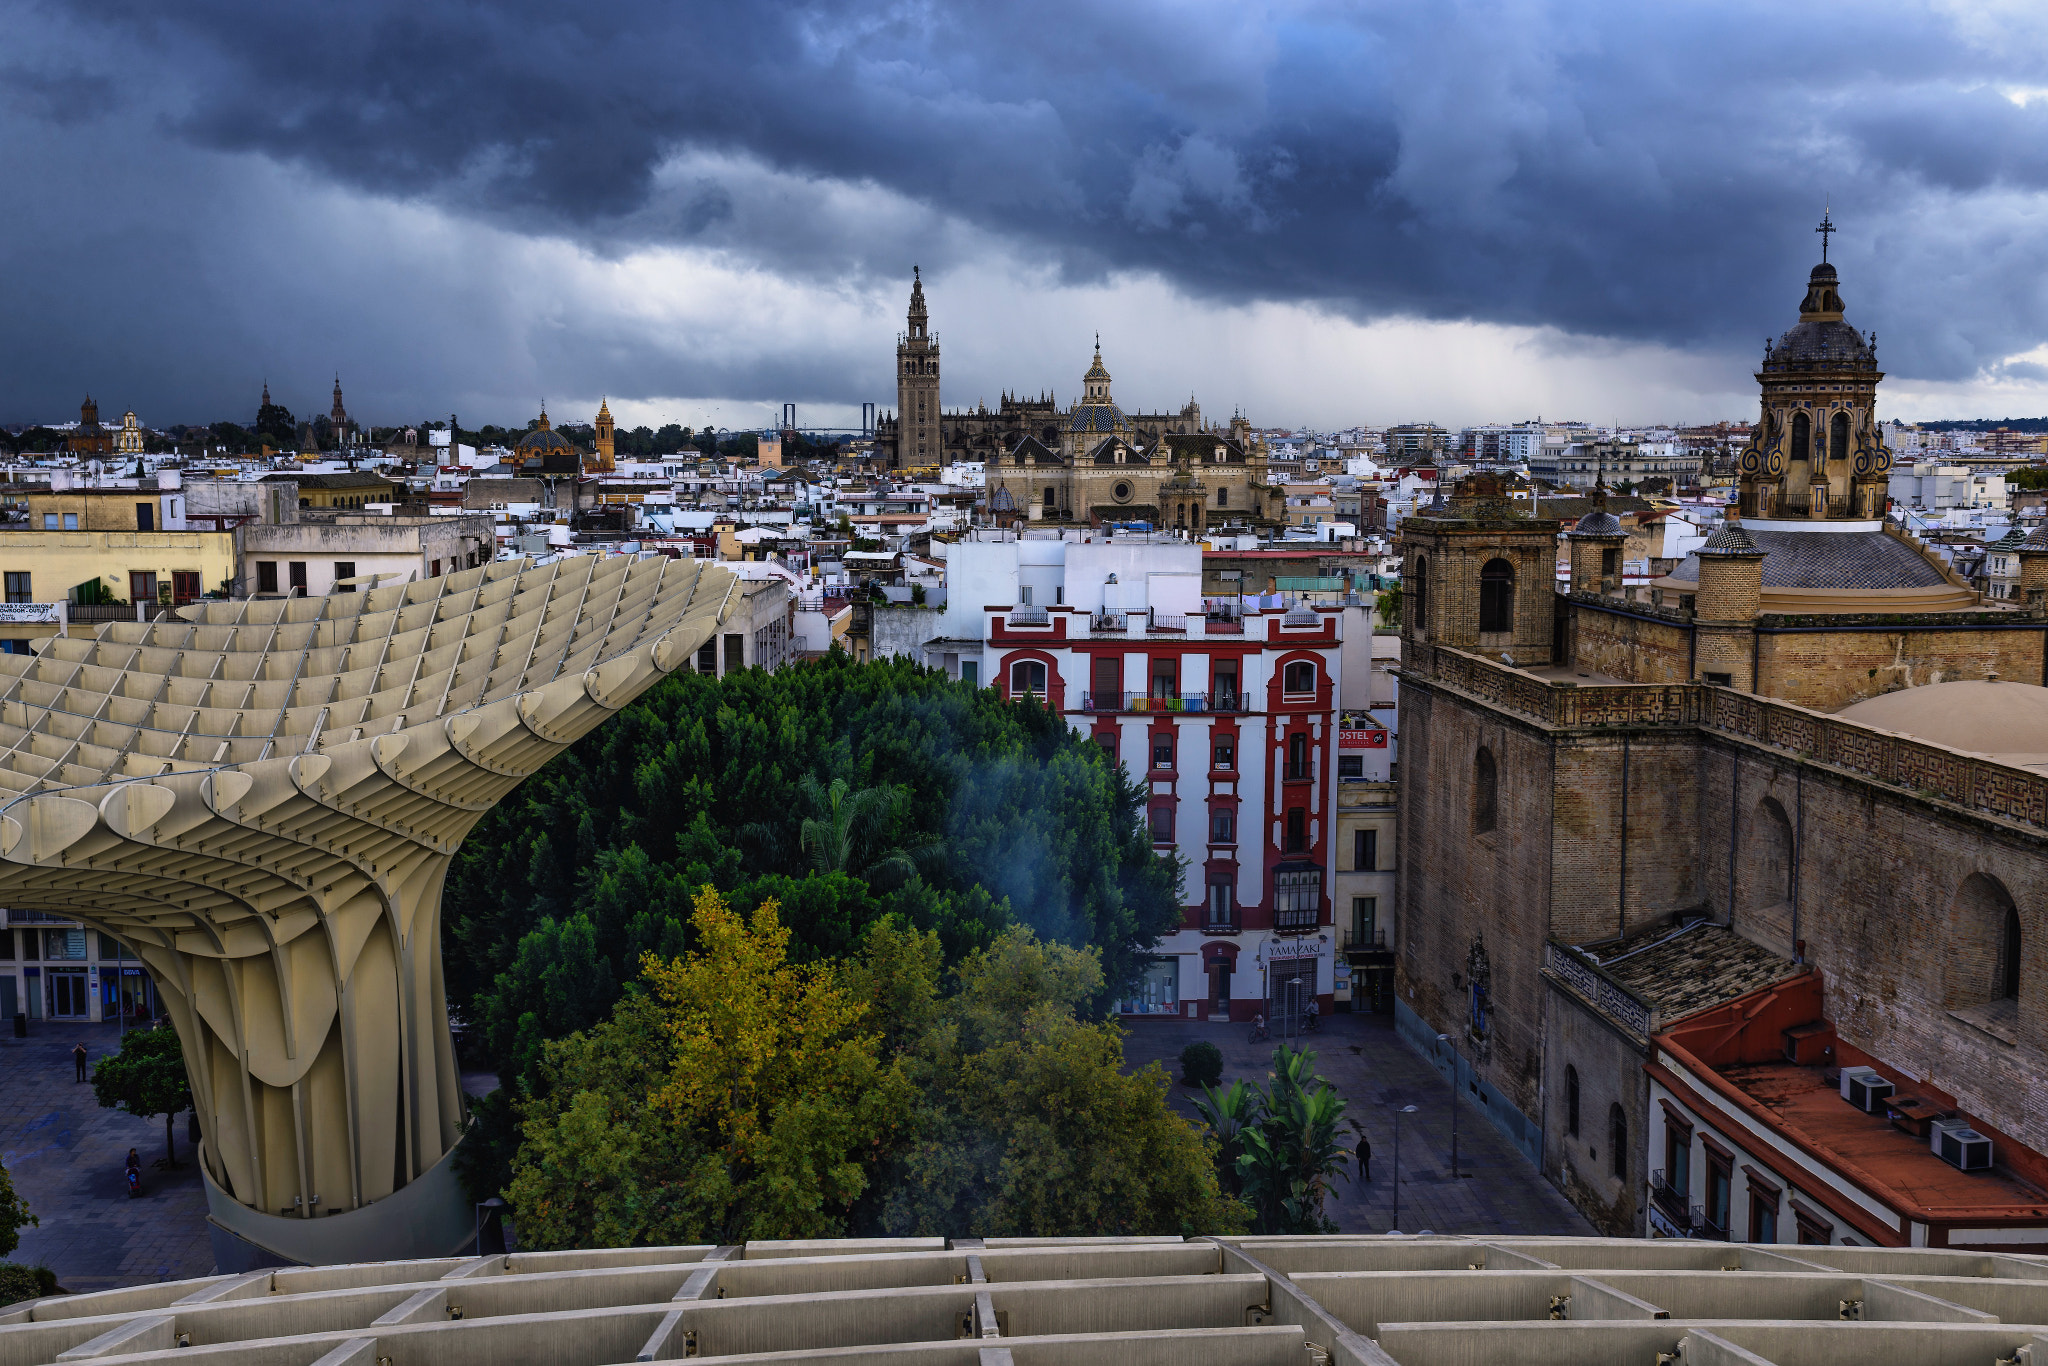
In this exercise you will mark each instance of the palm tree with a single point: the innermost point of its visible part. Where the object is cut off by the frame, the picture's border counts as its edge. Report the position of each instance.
(849, 823)
(1229, 1114)
(1289, 1141)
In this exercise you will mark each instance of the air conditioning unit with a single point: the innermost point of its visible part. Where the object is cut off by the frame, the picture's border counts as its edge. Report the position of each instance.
(1863, 1088)
(1962, 1147)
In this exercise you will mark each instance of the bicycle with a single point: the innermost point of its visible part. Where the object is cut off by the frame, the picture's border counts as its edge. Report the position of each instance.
(1259, 1031)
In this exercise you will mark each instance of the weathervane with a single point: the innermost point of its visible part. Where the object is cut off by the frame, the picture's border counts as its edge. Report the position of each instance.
(1827, 225)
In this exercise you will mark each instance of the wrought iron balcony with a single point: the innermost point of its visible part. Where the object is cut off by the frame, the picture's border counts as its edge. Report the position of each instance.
(1365, 940)
(1671, 1201)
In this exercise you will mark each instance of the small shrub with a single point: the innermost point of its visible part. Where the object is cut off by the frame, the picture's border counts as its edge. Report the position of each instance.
(18, 1282)
(1201, 1064)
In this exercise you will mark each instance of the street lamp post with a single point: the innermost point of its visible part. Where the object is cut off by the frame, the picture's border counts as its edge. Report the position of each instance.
(1404, 1110)
(1445, 1038)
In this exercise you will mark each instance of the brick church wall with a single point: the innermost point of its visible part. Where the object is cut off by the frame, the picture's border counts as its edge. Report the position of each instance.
(1828, 670)
(1475, 885)
(1878, 863)
(1637, 649)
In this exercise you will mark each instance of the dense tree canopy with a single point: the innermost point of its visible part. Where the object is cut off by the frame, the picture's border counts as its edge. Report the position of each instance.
(735, 1094)
(959, 814)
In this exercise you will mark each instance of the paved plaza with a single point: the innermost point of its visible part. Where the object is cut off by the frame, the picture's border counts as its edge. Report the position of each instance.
(1500, 1193)
(66, 1156)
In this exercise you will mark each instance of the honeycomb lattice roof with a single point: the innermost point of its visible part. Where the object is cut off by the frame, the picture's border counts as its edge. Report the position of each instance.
(1410, 1301)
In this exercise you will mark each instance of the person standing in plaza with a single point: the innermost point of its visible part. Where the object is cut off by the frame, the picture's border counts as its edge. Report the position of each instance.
(1364, 1158)
(78, 1057)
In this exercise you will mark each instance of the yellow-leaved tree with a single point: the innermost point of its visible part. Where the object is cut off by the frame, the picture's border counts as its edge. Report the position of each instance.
(735, 1095)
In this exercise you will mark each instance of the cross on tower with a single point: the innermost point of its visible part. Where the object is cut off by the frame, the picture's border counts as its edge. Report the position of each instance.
(1827, 225)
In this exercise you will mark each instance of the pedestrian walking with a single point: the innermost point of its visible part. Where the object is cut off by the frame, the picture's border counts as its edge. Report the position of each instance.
(1364, 1158)
(78, 1057)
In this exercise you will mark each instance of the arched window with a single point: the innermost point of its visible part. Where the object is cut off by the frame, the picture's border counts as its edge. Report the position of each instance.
(1981, 960)
(1298, 677)
(1617, 1141)
(1802, 437)
(1497, 596)
(1421, 577)
(1571, 1101)
(1485, 792)
(1838, 437)
(1027, 675)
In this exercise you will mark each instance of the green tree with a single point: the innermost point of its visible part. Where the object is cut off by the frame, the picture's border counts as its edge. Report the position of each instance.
(147, 1077)
(1002, 812)
(14, 1214)
(1030, 1127)
(276, 426)
(1287, 1140)
(742, 1096)
(2032, 477)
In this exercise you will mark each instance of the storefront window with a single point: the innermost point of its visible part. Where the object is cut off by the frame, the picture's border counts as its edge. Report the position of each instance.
(60, 946)
(1158, 990)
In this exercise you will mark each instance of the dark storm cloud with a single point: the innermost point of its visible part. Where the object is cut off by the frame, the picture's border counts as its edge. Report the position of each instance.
(1622, 170)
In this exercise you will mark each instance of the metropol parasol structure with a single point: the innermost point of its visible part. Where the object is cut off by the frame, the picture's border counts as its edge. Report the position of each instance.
(262, 798)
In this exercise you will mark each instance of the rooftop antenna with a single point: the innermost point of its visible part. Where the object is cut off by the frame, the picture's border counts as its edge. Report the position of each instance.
(1827, 225)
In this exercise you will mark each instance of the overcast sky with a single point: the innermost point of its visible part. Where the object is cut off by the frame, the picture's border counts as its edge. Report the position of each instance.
(1321, 213)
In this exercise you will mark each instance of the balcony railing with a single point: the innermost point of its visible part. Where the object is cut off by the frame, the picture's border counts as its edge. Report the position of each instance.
(1183, 702)
(1366, 939)
(1295, 921)
(1298, 773)
(1671, 1201)
(1030, 616)
(1212, 924)
(1166, 621)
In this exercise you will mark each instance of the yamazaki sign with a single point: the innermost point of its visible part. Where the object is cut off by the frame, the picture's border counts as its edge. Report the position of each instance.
(1361, 739)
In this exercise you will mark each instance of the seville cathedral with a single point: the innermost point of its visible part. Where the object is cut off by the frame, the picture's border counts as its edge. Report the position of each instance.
(1089, 462)
(1811, 758)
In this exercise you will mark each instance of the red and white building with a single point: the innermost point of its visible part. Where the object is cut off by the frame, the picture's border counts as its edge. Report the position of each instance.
(1767, 1127)
(1226, 711)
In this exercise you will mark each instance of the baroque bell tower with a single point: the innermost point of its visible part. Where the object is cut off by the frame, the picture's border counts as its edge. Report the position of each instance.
(917, 386)
(1817, 452)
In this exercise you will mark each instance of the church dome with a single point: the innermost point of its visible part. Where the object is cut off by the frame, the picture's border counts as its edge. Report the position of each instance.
(543, 439)
(1096, 414)
(1821, 340)
(2008, 721)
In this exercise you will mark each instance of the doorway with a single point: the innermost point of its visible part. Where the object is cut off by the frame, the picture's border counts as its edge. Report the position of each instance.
(69, 999)
(1219, 988)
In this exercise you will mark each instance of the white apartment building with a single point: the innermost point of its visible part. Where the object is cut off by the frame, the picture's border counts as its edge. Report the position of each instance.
(1226, 712)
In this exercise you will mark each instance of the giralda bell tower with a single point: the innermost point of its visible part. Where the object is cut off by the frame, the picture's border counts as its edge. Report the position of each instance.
(917, 387)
